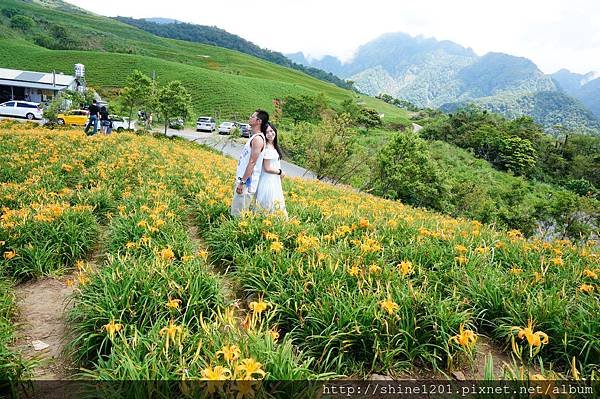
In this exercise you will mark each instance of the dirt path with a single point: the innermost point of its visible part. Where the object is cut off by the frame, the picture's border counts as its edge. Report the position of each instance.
(42, 318)
(42, 307)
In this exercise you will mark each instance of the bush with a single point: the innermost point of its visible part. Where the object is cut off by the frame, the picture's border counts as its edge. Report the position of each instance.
(22, 22)
(404, 170)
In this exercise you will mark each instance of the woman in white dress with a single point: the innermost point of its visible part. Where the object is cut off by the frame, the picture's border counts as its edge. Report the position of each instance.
(269, 194)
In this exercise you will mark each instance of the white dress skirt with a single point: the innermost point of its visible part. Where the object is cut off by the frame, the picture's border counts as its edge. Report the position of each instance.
(269, 194)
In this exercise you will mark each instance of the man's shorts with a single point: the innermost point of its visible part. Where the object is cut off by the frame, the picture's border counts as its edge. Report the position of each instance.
(241, 202)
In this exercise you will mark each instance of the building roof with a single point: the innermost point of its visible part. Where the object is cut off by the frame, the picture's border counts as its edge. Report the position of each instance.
(15, 77)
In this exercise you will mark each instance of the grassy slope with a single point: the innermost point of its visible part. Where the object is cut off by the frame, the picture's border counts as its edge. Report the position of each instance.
(219, 79)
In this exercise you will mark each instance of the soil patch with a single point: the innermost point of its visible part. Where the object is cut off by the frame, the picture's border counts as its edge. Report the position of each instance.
(42, 318)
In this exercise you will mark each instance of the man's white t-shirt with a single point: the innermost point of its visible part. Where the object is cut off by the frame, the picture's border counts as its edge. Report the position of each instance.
(245, 158)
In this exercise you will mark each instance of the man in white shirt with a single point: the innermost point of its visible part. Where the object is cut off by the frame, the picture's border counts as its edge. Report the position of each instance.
(250, 164)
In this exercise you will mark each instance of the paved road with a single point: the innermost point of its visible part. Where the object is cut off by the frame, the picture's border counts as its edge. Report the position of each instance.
(232, 148)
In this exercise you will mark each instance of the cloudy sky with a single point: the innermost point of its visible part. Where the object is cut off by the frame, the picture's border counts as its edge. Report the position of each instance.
(552, 33)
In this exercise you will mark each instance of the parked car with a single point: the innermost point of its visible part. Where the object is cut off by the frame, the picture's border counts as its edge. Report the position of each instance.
(245, 130)
(21, 109)
(226, 127)
(176, 123)
(120, 123)
(77, 117)
(206, 123)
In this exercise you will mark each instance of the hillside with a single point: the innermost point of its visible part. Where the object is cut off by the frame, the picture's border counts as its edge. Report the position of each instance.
(218, 37)
(432, 73)
(220, 80)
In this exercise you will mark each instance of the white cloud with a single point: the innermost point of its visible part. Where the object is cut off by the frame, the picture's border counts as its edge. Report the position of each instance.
(552, 33)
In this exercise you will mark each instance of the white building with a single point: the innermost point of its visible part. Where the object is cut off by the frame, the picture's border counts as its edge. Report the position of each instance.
(34, 86)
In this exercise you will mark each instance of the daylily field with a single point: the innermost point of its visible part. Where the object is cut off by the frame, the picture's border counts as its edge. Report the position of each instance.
(169, 286)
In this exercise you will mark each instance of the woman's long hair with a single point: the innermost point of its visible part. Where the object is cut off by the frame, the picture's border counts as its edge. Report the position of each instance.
(275, 143)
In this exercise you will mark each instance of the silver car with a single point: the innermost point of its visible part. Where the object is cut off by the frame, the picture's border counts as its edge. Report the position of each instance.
(227, 127)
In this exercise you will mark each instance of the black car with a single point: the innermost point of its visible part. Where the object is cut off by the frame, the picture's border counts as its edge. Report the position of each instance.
(245, 130)
(176, 123)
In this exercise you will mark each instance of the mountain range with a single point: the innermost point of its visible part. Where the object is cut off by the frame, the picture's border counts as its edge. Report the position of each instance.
(446, 75)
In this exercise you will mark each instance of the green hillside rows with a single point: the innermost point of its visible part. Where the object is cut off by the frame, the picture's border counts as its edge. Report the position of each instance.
(106, 35)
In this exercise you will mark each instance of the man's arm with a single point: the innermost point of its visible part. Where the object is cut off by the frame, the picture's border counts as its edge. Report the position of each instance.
(256, 148)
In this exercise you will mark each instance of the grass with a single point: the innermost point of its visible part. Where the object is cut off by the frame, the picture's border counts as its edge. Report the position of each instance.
(12, 367)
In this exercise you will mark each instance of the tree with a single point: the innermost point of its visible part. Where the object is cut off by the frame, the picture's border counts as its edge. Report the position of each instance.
(518, 155)
(304, 108)
(404, 170)
(173, 101)
(368, 118)
(138, 92)
(331, 148)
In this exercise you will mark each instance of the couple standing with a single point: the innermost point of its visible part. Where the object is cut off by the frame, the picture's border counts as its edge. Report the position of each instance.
(259, 174)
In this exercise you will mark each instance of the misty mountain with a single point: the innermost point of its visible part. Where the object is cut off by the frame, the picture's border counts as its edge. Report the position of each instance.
(585, 88)
(432, 73)
(161, 21)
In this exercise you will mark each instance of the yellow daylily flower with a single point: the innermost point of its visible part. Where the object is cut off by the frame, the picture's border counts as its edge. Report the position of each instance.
(557, 261)
(389, 306)
(173, 303)
(230, 353)
(516, 270)
(259, 306)
(172, 332)
(374, 268)
(587, 288)
(112, 328)
(276, 246)
(167, 253)
(203, 254)
(406, 267)
(461, 259)
(354, 270)
(271, 236)
(590, 274)
(464, 338)
(536, 338)
(250, 367)
(461, 249)
(217, 373)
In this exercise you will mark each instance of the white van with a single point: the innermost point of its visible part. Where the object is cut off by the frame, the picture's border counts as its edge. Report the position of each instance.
(21, 109)
(206, 123)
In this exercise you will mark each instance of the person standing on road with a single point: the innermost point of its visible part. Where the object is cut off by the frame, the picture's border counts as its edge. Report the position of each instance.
(104, 120)
(94, 111)
(250, 164)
